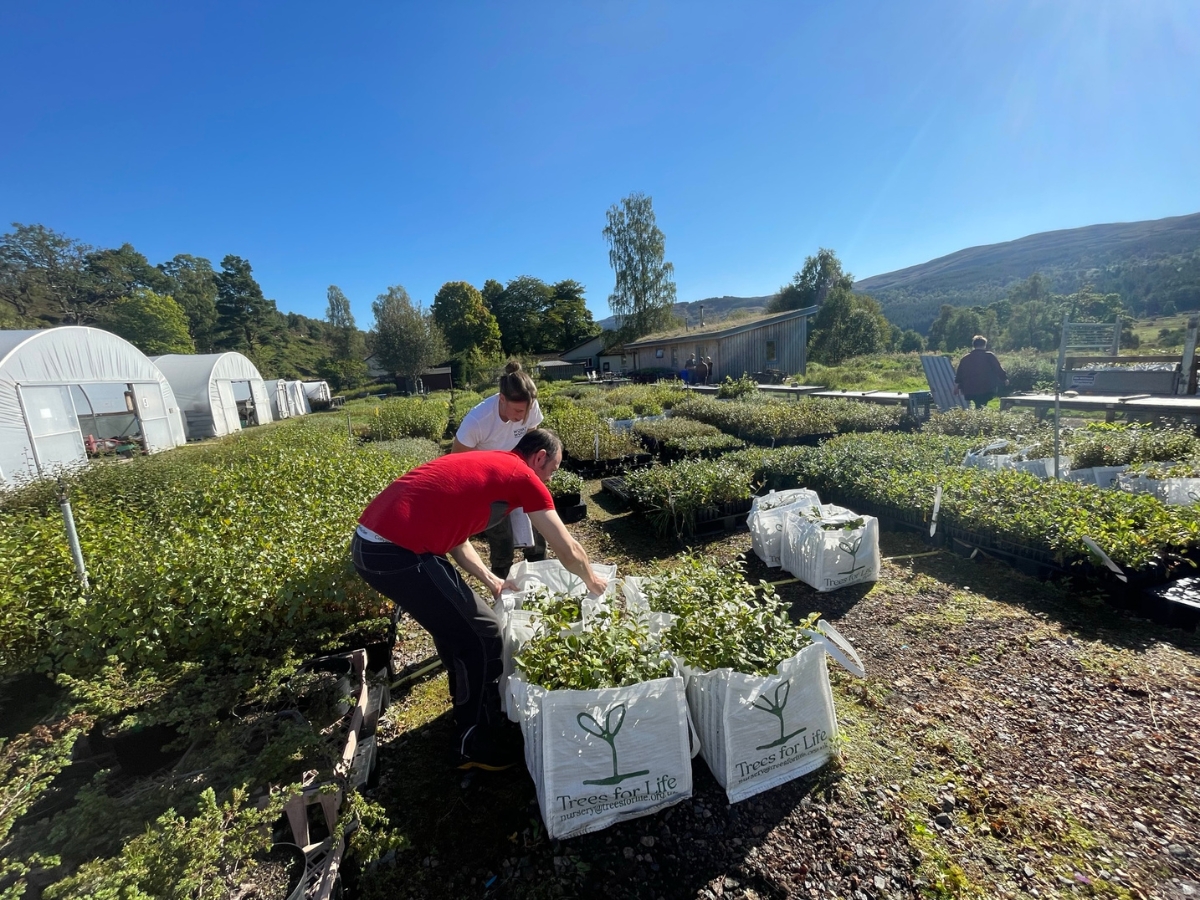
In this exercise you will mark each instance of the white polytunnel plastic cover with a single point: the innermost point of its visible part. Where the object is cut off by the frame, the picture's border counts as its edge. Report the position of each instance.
(209, 387)
(58, 384)
(297, 399)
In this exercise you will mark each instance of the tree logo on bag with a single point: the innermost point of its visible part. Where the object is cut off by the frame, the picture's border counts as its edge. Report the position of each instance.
(851, 544)
(776, 709)
(614, 718)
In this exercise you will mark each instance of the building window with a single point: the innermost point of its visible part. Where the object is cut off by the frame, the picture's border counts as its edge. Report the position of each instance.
(658, 354)
(770, 351)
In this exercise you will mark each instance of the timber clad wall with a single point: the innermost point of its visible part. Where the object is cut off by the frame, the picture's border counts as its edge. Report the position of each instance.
(734, 350)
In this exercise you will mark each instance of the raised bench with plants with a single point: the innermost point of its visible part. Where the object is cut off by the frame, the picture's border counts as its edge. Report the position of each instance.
(679, 437)
(590, 445)
(772, 422)
(692, 495)
(1011, 513)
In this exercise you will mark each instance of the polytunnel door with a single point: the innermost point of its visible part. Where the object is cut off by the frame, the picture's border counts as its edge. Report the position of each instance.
(228, 410)
(53, 427)
(152, 413)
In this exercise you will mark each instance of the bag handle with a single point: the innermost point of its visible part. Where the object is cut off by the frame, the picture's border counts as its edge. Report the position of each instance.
(837, 647)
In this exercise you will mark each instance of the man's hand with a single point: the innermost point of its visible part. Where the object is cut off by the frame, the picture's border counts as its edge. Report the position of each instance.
(596, 585)
(496, 585)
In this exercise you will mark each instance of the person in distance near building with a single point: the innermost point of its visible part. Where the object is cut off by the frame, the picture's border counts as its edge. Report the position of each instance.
(400, 547)
(498, 423)
(980, 375)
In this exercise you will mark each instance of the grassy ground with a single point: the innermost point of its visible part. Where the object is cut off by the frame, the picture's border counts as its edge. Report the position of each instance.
(1011, 739)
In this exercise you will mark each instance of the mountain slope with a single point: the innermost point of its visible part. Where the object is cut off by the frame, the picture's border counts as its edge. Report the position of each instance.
(715, 309)
(1147, 263)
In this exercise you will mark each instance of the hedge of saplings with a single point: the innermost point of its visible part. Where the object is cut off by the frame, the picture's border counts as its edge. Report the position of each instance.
(409, 417)
(674, 496)
(984, 422)
(658, 431)
(897, 475)
(579, 430)
(772, 421)
(214, 550)
(624, 402)
(1108, 444)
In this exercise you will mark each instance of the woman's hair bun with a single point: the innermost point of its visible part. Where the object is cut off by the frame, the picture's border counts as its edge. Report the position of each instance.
(513, 366)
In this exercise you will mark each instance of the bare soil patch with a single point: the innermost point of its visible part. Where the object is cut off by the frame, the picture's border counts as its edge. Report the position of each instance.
(1011, 739)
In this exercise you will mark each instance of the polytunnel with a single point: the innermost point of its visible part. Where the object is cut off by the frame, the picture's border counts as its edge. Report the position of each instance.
(216, 392)
(71, 390)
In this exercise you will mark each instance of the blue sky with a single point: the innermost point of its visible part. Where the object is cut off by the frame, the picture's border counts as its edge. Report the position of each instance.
(417, 143)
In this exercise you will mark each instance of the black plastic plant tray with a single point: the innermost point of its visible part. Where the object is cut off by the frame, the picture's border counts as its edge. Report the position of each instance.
(1173, 605)
(572, 514)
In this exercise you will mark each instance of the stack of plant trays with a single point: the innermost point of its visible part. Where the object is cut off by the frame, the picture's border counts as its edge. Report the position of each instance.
(312, 814)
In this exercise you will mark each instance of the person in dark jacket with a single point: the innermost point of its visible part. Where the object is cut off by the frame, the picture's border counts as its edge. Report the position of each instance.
(980, 375)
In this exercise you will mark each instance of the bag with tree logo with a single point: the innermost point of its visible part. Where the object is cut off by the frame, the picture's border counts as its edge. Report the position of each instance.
(766, 520)
(757, 732)
(600, 757)
(831, 548)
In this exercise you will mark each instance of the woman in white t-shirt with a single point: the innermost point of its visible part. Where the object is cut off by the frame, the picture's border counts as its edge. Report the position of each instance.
(499, 423)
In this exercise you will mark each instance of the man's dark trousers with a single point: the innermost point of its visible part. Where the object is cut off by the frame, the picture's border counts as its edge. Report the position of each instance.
(464, 629)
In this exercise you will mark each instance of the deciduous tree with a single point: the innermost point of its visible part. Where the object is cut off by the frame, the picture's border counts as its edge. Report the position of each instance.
(846, 325)
(812, 284)
(344, 368)
(644, 294)
(568, 320)
(154, 323)
(465, 320)
(520, 310)
(406, 339)
(43, 273)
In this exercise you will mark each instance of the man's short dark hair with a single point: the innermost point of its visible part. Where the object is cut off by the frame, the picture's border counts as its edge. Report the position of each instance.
(535, 440)
(979, 342)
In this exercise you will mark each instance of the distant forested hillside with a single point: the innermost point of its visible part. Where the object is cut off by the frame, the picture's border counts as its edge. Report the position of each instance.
(716, 309)
(1149, 264)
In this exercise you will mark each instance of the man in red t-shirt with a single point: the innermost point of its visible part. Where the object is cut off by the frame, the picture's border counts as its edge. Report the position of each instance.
(400, 547)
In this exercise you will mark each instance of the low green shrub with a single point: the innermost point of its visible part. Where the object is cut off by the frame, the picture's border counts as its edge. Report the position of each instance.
(414, 450)
(742, 387)
(704, 445)
(1105, 444)
(721, 622)
(234, 546)
(614, 650)
(662, 430)
(563, 483)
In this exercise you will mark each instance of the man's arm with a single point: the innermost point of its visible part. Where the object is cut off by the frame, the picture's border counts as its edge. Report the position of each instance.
(464, 554)
(568, 550)
(459, 446)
